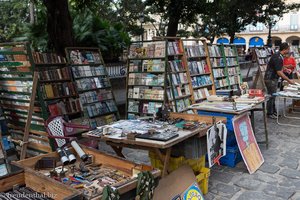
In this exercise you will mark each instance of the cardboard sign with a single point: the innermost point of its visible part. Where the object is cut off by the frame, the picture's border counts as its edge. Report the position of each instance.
(179, 185)
(247, 143)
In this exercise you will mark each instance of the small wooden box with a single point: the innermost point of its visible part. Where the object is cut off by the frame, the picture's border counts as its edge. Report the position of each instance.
(123, 165)
(38, 183)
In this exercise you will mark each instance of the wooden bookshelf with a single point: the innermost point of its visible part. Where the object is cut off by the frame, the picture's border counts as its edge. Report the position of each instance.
(262, 56)
(218, 66)
(16, 86)
(56, 87)
(93, 86)
(199, 65)
(295, 51)
(231, 60)
(157, 75)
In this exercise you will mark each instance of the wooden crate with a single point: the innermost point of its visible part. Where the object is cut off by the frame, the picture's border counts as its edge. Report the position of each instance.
(123, 165)
(35, 181)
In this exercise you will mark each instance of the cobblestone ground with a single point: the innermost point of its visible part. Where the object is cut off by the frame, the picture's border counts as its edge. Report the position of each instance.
(277, 179)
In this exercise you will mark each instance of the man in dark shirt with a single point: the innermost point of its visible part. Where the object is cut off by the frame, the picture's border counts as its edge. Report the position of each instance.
(272, 74)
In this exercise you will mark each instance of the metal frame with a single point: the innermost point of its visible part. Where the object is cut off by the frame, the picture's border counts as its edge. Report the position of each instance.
(284, 111)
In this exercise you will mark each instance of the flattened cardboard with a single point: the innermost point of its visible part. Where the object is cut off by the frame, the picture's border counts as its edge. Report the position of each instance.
(172, 186)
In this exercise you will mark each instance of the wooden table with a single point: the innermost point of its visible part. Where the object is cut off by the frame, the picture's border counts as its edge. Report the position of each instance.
(252, 108)
(157, 146)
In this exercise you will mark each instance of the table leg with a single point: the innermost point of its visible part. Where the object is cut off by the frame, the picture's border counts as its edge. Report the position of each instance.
(166, 162)
(265, 124)
(118, 151)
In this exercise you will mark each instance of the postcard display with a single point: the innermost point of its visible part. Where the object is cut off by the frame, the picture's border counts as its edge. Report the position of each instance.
(157, 76)
(200, 68)
(93, 86)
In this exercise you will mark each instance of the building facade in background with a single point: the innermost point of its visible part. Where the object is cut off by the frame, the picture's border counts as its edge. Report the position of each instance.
(287, 29)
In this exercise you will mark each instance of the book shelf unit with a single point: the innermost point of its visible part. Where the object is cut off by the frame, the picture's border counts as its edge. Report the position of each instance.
(93, 86)
(157, 75)
(231, 60)
(295, 50)
(262, 57)
(16, 86)
(200, 70)
(56, 86)
(218, 66)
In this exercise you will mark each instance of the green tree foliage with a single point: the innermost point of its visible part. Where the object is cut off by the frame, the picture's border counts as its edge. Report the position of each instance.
(14, 15)
(177, 11)
(232, 16)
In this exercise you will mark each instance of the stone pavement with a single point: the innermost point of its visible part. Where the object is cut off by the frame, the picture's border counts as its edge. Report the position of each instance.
(277, 179)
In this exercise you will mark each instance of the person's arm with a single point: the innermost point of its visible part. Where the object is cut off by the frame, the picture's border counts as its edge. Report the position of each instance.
(282, 75)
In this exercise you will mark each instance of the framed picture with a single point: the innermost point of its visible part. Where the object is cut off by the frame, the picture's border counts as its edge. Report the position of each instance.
(247, 143)
(216, 143)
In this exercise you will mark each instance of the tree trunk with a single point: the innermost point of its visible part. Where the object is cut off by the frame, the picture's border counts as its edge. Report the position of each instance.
(31, 12)
(231, 35)
(212, 39)
(59, 25)
(172, 26)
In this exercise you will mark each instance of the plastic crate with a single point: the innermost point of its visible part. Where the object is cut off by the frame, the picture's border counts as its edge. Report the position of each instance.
(233, 156)
(176, 162)
(202, 179)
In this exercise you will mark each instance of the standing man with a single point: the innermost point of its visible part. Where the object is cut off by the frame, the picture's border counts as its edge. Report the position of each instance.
(272, 74)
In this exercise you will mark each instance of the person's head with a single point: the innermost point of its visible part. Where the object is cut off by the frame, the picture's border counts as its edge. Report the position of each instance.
(284, 48)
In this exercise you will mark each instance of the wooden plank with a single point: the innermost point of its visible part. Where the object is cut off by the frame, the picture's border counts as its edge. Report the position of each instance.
(7, 183)
(195, 117)
(48, 186)
(39, 147)
(30, 111)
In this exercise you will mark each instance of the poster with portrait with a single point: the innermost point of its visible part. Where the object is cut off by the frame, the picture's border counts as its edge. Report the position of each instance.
(247, 143)
(216, 143)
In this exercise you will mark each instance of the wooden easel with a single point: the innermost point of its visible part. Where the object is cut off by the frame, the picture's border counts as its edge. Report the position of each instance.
(24, 143)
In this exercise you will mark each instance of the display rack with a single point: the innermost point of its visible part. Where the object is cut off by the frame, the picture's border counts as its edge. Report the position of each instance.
(296, 55)
(231, 60)
(93, 86)
(262, 57)
(218, 66)
(56, 86)
(25, 118)
(157, 75)
(199, 65)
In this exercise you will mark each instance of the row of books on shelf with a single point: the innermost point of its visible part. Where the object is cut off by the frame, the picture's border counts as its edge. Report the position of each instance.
(231, 61)
(201, 81)
(201, 94)
(233, 80)
(219, 72)
(229, 51)
(100, 108)
(195, 50)
(65, 106)
(233, 71)
(14, 58)
(217, 62)
(155, 65)
(180, 78)
(175, 47)
(143, 107)
(116, 70)
(54, 90)
(147, 50)
(295, 51)
(47, 58)
(146, 93)
(102, 120)
(95, 96)
(178, 92)
(221, 83)
(84, 56)
(54, 74)
(181, 104)
(198, 67)
(214, 51)
(92, 83)
(146, 79)
(87, 70)
(176, 65)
